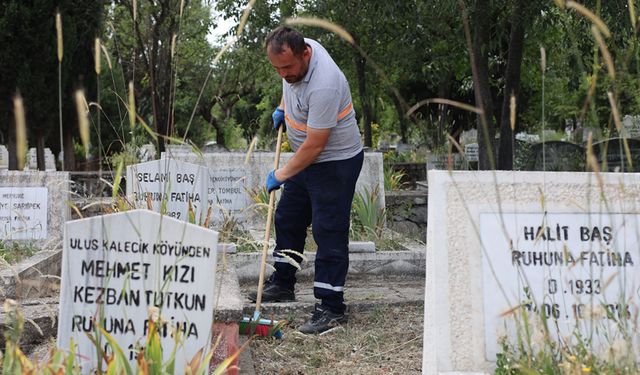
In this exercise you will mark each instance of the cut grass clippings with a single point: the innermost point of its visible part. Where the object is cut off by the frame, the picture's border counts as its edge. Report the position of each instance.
(385, 340)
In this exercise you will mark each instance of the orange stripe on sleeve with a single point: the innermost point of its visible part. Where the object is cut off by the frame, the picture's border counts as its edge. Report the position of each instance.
(345, 111)
(295, 125)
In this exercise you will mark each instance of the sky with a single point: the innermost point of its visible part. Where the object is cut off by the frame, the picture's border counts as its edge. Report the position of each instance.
(222, 27)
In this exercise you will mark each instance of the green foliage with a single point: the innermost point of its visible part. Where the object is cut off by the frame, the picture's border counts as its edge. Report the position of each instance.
(367, 217)
(13, 252)
(29, 62)
(392, 178)
(149, 360)
(534, 351)
(128, 156)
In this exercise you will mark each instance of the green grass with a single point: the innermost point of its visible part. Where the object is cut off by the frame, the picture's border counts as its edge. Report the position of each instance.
(14, 252)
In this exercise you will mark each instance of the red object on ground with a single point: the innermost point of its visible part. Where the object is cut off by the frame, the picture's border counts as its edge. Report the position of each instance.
(227, 346)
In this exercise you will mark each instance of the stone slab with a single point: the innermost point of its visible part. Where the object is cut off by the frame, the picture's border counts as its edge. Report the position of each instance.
(41, 323)
(227, 298)
(389, 263)
(250, 176)
(362, 247)
(456, 302)
(32, 278)
(58, 210)
(4, 158)
(361, 294)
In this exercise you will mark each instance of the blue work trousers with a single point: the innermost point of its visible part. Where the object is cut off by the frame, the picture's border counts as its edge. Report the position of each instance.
(320, 196)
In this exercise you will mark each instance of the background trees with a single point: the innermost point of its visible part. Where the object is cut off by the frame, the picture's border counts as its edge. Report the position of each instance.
(407, 51)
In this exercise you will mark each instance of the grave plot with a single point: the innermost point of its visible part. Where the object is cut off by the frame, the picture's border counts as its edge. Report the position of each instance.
(33, 210)
(235, 186)
(612, 154)
(556, 156)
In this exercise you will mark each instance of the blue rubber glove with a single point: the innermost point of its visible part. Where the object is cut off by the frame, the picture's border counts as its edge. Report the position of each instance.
(278, 118)
(272, 182)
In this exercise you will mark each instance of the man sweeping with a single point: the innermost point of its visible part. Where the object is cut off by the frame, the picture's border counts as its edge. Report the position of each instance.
(319, 180)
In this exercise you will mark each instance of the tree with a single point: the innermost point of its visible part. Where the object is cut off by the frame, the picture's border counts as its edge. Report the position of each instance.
(519, 18)
(150, 40)
(28, 64)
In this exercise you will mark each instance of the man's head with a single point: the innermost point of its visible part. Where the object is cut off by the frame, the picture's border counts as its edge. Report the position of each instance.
(288, 53)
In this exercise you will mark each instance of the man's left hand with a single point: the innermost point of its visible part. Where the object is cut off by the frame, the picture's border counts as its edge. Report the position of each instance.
(272, 182)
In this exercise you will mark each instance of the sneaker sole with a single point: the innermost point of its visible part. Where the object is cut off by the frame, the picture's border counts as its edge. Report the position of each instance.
(338, 324)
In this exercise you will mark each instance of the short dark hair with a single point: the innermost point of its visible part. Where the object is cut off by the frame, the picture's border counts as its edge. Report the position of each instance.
(284, 35)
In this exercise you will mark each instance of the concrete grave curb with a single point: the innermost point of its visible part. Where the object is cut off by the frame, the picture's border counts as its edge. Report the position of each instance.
(32, 277)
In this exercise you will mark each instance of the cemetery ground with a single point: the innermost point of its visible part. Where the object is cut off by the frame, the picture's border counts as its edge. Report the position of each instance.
(383, 335)
(383, 340)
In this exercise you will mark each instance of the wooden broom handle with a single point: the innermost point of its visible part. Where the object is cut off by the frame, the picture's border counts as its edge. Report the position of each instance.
(267, 233)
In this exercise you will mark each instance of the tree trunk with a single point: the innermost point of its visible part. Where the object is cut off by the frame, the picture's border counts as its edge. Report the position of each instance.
(364, 99)
(206, 114)
(13, 160)
(402, 118)
(486, 129)
(40, 153)
(444, 91)
(512, 85)
(69, 153)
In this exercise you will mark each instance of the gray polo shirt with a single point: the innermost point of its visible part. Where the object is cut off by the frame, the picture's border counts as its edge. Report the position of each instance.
(322, 100)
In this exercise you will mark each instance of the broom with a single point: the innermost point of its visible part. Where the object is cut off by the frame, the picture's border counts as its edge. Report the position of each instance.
(255, 324)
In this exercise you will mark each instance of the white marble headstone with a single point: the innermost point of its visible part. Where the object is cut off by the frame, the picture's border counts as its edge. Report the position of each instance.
(503, 243)
(115, 267)
(227, 193)
(238, 179)
(34, 206)
(169, 186)
(23, 213)
(49, 160)
(4, 157)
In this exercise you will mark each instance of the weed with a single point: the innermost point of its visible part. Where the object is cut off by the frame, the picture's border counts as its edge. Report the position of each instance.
(392, 178)
(14, 252)
(367, 217)
(149, 359)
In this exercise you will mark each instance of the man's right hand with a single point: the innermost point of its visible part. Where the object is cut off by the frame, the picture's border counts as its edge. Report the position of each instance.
(278, 118)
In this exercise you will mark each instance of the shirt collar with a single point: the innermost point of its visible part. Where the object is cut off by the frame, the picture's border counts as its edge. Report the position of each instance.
(312, 65)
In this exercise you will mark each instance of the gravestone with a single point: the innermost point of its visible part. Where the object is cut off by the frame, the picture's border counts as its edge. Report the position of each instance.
(147, 152)
(227, 194)
(169, 186)
(612, 155)
(239, 180)
(118, 266)
(4, 158)
(596, 133)
(469, 136)
(525, 137)
(631, 126)
(444, 162)
(23, 213)
(494, 252)
(471, 152)
(33, 206)
(556, 156)
(49, 160)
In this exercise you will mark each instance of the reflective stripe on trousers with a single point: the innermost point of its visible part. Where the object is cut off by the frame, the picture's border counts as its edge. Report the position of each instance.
(319, 196)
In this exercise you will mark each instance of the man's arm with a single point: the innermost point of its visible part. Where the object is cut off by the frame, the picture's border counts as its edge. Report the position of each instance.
(307, 153)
